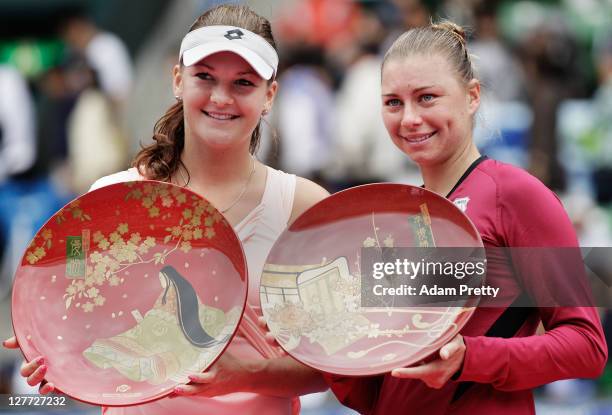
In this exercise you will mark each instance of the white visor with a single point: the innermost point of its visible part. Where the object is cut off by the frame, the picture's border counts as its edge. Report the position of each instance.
(254, 49)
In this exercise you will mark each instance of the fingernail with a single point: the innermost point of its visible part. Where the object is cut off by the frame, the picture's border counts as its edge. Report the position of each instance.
(43, 368)
(192, 378)
(177, 390)
(40, 360)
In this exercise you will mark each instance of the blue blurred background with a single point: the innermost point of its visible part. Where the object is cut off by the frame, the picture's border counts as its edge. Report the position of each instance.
(83, 81)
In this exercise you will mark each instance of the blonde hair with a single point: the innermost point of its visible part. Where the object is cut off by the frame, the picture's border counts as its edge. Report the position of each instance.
(445, 38)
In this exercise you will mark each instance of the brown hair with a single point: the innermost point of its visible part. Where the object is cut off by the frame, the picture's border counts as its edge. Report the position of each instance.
(445, 37)
(160, 160)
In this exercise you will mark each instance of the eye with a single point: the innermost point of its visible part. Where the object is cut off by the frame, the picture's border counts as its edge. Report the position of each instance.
(393, 102)
(204, 76)
(244, 82)
(427, 98)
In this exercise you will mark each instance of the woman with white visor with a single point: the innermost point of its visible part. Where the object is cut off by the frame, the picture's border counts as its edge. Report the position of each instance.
(224, 84)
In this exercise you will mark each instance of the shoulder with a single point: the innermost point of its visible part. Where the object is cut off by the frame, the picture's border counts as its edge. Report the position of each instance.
(122, 176)
(307, 193)
(530, 213)
(512, 178)
(517, 187)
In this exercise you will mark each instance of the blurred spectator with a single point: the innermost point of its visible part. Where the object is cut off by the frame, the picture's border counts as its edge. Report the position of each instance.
(550, 59)
(412, 13)
(503, 119)
(96, 145)
(463, 11)
(362, 151)
(98, 74)
(303, 114)
(497, 68)
(321, 23)
(17, 134)
(104, 51)
(17, 153)
(54, 104)
(409, 14)
(28, 194)
(598, 141)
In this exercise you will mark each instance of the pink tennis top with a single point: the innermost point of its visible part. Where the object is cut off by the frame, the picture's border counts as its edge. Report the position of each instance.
(257, 231)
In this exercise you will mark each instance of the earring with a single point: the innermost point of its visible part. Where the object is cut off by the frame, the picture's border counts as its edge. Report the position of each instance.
(178, 98)
(265, 112)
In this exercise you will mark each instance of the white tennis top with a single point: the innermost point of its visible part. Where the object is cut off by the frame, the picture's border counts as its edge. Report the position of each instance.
(257, 231)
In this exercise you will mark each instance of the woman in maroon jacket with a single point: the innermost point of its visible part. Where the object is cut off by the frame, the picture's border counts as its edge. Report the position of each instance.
(429, 98)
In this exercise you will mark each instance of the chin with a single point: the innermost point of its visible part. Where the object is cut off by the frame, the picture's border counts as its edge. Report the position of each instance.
(423, 155)
(222, 142)
(419, 158)
(407, 150)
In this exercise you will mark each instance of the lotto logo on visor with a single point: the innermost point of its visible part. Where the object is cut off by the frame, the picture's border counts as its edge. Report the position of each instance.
(234, 34)
(205, 41)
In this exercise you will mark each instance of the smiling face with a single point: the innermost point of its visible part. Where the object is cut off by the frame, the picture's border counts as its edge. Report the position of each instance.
(427, 109)
(223, 99)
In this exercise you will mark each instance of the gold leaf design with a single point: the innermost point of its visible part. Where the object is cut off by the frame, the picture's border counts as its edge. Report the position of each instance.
(159, 258)
(369, 242)
(186, 246)
(119, 249)
(388, 242)
(38, 247)
(74, 210)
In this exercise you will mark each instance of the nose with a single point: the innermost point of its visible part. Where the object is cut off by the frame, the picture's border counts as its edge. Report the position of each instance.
(220, 96)
(411, 118)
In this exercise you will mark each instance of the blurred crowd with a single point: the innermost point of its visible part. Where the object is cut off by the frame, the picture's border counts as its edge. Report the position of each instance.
(545, 66)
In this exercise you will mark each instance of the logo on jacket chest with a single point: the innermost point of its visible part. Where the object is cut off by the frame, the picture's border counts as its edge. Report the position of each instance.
(462, 203)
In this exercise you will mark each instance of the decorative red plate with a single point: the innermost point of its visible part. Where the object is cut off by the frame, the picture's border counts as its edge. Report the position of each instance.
(311, 288)
(129, 289)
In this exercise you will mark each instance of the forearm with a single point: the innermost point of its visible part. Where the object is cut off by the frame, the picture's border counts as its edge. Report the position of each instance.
(283, 377)
(575, 349)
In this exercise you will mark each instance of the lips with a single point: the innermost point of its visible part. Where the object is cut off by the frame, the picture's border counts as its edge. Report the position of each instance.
(220, 116)
(417, 138)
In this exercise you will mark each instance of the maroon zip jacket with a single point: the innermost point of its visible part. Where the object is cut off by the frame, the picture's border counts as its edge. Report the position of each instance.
(504, 358)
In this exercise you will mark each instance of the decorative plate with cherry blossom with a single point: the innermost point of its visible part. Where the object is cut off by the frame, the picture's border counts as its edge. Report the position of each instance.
(127, 290)
(312, 285)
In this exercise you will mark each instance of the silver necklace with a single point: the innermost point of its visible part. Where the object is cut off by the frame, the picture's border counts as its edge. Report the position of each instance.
(242, 192)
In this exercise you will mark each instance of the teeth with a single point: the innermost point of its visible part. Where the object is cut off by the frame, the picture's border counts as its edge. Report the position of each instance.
(218, 116)
(420, 138)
